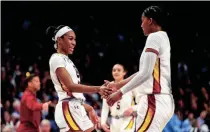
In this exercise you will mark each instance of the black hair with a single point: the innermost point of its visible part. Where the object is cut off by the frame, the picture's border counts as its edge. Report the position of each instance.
(124, 68)
(29, 79)
(52, 30)
(157, 14)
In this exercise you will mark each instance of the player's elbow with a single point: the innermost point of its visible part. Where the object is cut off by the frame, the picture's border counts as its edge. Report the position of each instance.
(146, 75)
(72, 87)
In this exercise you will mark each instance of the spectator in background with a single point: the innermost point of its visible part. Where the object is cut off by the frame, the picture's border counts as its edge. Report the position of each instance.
(16, 106)
(45, 126)
(175, 124)
(15, 119)
(186, 126)
(7, 129)
(8, 120)
(46, 79)
(30, 109)
(194, 127)
(201, 118)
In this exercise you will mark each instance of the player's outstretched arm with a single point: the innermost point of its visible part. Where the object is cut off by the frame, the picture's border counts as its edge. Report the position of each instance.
(91, 113)
(144, 73)
(66, 79)
(117, 86)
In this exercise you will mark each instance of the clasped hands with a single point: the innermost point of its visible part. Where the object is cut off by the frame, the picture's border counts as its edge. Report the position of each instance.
(110, 92)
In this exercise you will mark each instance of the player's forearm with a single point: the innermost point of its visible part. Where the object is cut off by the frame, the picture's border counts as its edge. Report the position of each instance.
(124, 82)
(88, 108)
(65, 79)
(79, 88)
(143, 75)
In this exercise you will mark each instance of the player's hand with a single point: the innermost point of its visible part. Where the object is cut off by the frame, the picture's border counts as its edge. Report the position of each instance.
(106, 82)
(98, 125)
(105, 91)
(111, 85)
(128, 112)
(114, 97)
(45, 106)
(93, 117)
(105, 127)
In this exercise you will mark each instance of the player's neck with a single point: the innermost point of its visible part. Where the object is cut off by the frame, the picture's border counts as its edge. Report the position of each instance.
(156, 29)
(61, 52)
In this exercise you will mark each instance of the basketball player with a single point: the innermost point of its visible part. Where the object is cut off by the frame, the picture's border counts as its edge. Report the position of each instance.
(70, 112)
(122, 116)
(156, 106)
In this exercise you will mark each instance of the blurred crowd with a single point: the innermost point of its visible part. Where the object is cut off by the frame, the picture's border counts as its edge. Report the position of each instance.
(192, 112)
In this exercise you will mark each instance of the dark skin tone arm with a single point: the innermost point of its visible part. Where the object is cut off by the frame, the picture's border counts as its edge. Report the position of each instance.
(118, 85)
(66, 79)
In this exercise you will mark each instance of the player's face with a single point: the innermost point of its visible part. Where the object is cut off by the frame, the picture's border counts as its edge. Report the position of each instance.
(35, 83)
(145, 25)
(118, 72)
(69, 42)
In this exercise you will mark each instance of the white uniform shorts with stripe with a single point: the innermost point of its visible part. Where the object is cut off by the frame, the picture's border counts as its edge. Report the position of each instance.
(154, 112)
(71, 115)
(125, 124)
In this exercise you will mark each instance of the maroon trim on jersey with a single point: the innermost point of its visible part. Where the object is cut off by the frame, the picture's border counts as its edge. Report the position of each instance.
(149, 115)
(152, 50)
(156, 77)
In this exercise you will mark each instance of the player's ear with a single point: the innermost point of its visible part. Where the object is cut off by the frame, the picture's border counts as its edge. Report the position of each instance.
(150, 21)
(58, 39)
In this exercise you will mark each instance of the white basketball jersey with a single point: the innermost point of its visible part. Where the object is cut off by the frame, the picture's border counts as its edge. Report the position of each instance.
(120, 106)
(160, 80)
(60, 60)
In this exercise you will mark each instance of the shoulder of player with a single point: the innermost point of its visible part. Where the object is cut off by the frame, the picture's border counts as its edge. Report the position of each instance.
(155, 35)
(56, 56)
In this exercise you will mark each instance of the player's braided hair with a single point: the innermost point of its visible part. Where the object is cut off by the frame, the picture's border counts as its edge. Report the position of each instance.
(157, 14)
(52, 30)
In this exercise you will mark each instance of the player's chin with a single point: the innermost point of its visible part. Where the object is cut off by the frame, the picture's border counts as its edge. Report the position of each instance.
(115, 78)
(145, 33)
(71, 52)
